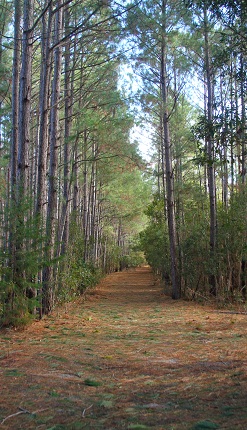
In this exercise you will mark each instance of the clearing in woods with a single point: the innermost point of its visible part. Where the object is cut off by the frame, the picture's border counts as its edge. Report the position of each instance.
(126, 357)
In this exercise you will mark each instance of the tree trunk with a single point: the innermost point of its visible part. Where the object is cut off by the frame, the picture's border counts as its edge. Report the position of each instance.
(15, 133)
(51, 223)
(168, 165)
(45, 82)
(243, 91)
(242, 131)
(24, 121)
(15, 98)
(210, 154)
(67, 132)
(85, 208)
(25, 100)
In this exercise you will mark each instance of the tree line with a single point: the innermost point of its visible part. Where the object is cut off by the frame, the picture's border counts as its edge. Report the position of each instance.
(75, 191)
(68, 210)
(192, 60)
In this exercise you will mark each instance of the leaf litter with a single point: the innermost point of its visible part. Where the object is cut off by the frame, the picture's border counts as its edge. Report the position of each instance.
(126, 357)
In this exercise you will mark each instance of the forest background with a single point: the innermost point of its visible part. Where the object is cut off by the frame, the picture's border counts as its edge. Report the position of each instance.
(77, 199)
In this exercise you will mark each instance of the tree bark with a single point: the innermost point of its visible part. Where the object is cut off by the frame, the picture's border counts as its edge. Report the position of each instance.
(168, 164)
(44, 106)
(15, 133)
(25, 100)
(210, 153)
(67, 131)
(15, 99)
(51, 222)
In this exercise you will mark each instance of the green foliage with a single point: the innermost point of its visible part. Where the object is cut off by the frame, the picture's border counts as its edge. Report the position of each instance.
(75, 278)
(155, 245)
(15, 308)
(196, 263)
(154, 238)
(113, 256)
(92, 382)
(75, 275)
(225, 264)
(207, 424)
(20, 262)
(133, 259)
(138, 427)
(195, 255)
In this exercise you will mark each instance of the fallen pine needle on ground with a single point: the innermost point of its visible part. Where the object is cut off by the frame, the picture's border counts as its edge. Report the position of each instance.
(127, 357)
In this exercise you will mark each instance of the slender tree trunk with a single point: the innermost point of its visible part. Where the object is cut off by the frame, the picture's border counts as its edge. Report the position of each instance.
(168, 165)
(75, 171)
(67, 132)
(93, 201)
(51, 223)
(210, 153)
(85, 208)
(232, 130)
(224, 154)
(15, 134)
(15, 98)
(25, 100)
(242, 131)
(45, 82)
(243, 92)
(24, 121)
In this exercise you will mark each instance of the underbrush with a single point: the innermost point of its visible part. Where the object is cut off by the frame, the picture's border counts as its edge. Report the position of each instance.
(15, 312)
(75, 278)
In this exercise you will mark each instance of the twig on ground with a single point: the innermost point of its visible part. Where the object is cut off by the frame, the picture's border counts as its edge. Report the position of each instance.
(140, 349)
(14, 415)
(86, 409)
(21, 411)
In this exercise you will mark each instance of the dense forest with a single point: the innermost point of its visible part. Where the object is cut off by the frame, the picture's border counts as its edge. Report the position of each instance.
(78, 199)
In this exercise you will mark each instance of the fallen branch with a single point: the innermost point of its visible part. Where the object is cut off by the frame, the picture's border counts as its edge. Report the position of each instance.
(22, 411)
(14, 415)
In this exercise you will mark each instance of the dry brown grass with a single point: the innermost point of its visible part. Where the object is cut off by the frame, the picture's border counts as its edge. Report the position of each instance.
(127, 357)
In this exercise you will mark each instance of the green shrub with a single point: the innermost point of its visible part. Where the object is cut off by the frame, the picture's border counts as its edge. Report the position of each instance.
(133, 259)
(16, 309)
(76, 276)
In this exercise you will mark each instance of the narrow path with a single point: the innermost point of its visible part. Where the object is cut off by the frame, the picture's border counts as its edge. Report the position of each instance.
(126, 357)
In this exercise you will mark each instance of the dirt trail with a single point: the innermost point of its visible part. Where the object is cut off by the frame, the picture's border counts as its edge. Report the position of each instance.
(126, 357)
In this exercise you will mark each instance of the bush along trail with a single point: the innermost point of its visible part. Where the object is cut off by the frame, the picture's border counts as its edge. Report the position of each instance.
(126, 357)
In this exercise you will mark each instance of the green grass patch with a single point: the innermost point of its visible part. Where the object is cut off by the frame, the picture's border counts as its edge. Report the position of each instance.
(14, 373)
(207, 424)
(92, 383)
(108, 404)
(138, 427)
(54, 393)
(49, 357)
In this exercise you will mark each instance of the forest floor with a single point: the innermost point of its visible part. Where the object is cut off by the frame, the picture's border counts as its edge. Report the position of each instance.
(126, 357)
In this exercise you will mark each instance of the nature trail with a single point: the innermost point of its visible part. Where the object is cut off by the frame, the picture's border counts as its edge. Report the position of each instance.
(126, 357)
